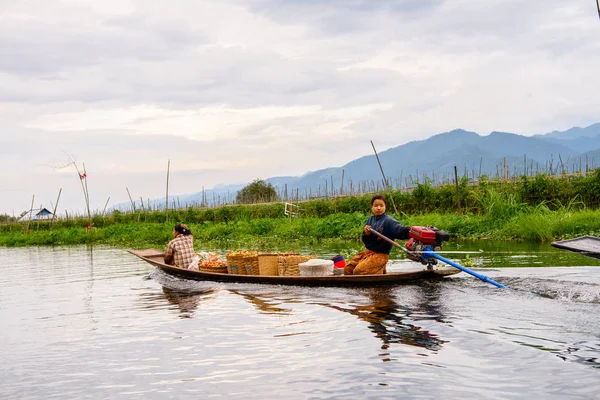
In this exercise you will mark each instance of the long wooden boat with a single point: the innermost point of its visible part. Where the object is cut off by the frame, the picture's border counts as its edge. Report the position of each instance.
(155, 257)
(584, 245)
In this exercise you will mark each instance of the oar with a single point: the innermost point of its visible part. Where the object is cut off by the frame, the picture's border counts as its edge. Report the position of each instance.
(431, 253)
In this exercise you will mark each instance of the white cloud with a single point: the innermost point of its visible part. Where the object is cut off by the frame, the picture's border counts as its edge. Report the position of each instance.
(235, 90)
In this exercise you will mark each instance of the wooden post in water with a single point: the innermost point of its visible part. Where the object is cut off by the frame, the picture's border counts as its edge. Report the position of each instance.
(167, 195)
(457, 191)
(385, 182)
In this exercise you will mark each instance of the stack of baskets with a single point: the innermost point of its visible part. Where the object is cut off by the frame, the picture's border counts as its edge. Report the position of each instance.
(287, 265)
(268, 263)
(243, 262)
(248, 262)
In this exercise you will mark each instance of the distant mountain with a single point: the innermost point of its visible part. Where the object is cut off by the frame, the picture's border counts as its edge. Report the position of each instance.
(574, 133)
(435, 157)
(579, 139)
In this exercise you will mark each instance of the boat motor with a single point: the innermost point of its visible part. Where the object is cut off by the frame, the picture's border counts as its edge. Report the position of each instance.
(425, 238)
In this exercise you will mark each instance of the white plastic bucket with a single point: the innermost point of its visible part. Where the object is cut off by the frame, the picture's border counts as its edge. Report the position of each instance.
(316, 267)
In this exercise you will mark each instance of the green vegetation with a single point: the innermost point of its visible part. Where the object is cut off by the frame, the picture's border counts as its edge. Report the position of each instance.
(5, 218)
(257, 192)
(537, 209)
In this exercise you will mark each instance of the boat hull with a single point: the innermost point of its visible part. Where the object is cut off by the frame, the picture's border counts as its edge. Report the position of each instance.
(584, 245)
(155, 257)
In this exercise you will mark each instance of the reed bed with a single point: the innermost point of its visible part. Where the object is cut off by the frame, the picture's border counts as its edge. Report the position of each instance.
(539, 208)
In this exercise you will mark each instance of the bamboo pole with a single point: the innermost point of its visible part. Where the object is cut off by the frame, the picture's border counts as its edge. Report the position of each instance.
(55, 207)
(87, 195)
(384, 179)
(130, 199)
(457, 190)
(104, 210)
(167, 194)
(84, 188)
(38, 220)
(30, 212)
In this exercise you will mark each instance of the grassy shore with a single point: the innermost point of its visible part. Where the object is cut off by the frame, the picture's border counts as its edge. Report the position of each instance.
(538, 225)
(537, 209)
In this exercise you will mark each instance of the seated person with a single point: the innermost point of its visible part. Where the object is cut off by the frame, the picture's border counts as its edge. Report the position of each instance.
(374, 259)
(180, 251)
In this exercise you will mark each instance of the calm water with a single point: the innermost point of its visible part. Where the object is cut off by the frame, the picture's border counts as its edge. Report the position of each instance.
(99, 323)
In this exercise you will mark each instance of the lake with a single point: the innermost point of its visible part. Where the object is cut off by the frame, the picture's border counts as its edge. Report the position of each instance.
(83, 322)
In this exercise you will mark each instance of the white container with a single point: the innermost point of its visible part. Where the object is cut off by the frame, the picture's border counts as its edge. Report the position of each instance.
(316, 267)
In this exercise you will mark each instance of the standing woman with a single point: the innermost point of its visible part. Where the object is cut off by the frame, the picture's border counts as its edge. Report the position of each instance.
(374, 259)
(180, 251)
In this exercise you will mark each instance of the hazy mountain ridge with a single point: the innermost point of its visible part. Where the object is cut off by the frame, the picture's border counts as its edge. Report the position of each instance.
(470, 152)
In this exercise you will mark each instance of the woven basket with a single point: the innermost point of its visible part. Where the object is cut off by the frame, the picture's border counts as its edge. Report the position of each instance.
(252, 262)
(243, 264)
(218, 270)
(287, 265)
(268, 262)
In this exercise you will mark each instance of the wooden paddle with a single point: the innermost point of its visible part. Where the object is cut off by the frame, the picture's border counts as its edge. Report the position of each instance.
(428, 253)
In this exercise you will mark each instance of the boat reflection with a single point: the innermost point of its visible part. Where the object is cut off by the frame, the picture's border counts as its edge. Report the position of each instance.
(188, 302)
(389, 321)
(379, 308)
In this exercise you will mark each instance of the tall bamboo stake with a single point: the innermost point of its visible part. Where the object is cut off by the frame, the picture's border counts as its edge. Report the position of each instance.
(385, 183)
(104, 210)
(55, 207)
(167, 195)
(87, 195)
(30, 212)
(130, 199)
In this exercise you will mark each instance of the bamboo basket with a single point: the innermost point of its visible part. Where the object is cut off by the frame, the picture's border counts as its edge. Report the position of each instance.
(268, 262)
(287, 265)
(243, 264)
(220, 270)
(251, 264)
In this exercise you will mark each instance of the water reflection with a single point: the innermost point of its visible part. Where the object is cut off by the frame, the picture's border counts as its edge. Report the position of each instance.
(389, 321)
(384, 316)
(188, 302)
(263, 305)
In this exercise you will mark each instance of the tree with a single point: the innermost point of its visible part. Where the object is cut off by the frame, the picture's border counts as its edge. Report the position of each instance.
(257, 192)
(8, 218)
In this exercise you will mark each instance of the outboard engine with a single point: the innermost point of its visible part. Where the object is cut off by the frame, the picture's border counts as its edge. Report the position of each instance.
(423, 238)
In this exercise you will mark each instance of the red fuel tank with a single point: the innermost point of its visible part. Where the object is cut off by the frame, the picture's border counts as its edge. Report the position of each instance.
(422, 234)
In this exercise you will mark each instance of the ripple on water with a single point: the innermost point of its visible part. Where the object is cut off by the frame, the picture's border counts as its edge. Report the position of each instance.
(86, 322)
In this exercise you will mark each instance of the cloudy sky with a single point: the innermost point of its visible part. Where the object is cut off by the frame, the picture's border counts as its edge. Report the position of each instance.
(234, 90)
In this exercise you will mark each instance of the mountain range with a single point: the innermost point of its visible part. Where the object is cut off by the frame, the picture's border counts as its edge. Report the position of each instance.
(435, 157)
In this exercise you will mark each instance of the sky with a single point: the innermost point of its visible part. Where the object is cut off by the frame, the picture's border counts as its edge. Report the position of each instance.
(229, 91)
